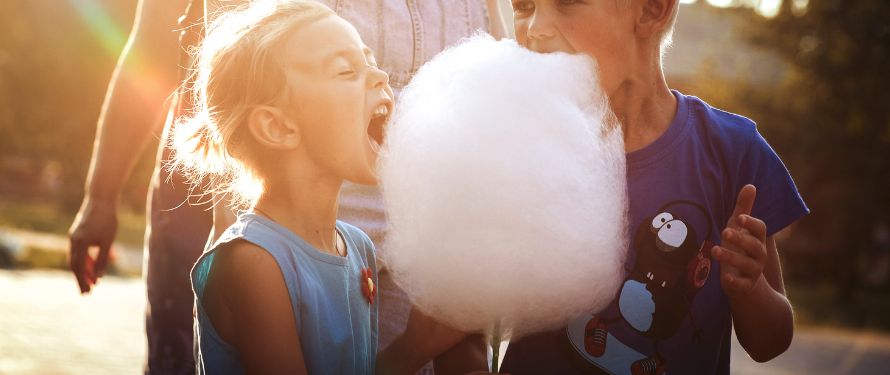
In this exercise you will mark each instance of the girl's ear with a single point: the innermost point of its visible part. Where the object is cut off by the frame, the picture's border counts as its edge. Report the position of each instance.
(271, 128)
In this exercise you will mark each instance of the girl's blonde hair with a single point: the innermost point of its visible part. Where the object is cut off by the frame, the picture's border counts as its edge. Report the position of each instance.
(239, 65)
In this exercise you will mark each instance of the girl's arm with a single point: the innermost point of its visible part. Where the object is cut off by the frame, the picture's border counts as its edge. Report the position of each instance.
(468, 356)
(248, 302)
(425, 338)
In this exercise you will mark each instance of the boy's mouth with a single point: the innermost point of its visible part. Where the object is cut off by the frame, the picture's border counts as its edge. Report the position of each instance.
(379, 117)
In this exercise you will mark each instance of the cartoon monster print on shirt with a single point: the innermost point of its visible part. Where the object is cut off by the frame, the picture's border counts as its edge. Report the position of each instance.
(672, 263)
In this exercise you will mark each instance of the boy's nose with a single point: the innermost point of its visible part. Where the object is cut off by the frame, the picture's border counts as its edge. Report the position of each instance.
(540, 28)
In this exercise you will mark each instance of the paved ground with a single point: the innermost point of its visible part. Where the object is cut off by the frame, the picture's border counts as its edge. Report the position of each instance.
(46, 327)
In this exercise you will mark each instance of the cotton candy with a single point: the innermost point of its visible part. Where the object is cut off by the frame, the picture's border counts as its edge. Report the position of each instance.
(503, 172)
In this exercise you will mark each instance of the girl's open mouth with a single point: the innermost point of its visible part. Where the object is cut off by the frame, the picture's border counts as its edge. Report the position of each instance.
(377, 125)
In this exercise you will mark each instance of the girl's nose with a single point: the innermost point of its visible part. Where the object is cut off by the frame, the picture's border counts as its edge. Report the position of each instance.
(377, 78)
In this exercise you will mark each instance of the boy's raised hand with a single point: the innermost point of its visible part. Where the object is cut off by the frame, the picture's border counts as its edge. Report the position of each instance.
(743, 253)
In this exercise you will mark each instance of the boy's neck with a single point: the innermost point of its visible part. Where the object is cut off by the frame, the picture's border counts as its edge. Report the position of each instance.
(645, 106)
(306, 204)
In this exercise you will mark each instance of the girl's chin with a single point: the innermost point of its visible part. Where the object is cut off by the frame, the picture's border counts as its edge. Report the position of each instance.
(368, 180)
(368, 174)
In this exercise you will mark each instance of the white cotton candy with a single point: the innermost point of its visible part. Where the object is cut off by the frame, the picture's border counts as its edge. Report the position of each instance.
(504, 178)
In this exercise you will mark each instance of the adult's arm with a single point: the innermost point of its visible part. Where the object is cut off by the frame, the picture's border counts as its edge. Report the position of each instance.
(146, 74)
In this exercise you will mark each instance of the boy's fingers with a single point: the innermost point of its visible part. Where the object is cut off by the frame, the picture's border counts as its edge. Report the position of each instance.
(744, 204)
(742, 262)
(736, 283)
(745, 243)
(753, 225)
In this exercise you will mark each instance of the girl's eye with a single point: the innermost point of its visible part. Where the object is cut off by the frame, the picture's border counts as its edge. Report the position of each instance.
(346, 73)
(568, 2)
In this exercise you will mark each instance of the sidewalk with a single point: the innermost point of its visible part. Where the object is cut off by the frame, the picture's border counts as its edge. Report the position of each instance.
(46, 327)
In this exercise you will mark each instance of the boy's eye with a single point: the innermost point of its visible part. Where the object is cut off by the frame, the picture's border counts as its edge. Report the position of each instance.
(523, 6)
(568, 2)
(346, 73)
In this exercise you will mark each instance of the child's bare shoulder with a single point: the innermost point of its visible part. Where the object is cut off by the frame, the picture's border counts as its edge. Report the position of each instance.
(247, 299)
(243, 263)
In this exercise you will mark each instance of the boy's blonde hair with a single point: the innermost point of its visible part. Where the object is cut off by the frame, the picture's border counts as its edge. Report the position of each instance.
(239, 65)
(667, 36)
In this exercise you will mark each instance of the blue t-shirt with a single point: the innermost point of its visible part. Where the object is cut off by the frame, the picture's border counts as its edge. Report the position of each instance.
(336, 320)
(671, 315)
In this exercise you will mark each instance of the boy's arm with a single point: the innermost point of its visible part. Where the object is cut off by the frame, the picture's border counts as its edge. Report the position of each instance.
(146, 74)
(751, 276)
(763, 318)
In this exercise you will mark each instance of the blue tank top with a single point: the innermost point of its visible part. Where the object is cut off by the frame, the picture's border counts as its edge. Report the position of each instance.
(337, 324)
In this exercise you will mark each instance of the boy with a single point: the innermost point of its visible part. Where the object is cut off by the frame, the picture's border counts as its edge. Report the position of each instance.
(693, 175)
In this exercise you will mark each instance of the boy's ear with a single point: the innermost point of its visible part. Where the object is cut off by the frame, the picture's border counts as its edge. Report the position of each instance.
(655, 17)
(272, 128)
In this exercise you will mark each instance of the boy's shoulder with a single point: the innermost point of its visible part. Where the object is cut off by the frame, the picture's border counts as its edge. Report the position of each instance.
(718, 123)
(725, 134)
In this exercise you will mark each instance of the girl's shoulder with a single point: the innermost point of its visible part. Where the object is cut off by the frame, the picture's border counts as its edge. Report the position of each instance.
(247, 299)
(241, 268)
(358, 238)
(356, 235)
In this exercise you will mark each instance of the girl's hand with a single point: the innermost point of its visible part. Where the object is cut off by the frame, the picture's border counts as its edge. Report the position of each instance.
(743, 253)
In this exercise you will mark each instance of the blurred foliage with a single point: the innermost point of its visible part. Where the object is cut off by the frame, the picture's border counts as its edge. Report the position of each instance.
(829, 119)
(56, 58)
(47, 217)
(815, 303)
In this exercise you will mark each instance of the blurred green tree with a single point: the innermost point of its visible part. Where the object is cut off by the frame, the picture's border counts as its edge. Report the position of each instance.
(56, 58)
(832, 117)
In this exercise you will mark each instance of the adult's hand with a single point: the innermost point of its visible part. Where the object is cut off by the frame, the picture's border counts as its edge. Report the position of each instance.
(94, 226)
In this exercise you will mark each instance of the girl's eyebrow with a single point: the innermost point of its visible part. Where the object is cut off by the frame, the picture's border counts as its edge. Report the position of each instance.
(349, 53)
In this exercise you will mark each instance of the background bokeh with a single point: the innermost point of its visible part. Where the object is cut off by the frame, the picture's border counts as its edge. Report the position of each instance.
(814, 75)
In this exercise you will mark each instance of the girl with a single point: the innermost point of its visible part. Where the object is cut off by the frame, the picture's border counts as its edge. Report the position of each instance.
(289, 104)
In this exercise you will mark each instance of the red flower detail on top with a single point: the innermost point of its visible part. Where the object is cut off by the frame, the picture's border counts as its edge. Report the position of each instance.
(369, 289)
